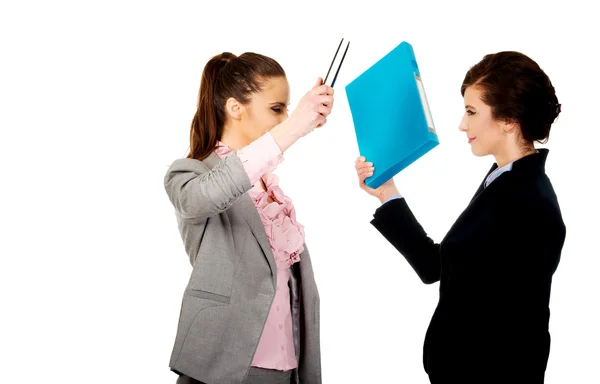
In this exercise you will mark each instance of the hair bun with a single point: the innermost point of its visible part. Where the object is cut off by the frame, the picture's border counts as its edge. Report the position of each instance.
(554, 111)
(227, 57)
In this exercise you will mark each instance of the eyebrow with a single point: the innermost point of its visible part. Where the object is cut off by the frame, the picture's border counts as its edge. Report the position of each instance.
(281, 104)
(469, 107)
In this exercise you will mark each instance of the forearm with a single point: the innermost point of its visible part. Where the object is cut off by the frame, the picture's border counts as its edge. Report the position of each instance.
(261, 156)
(397, 224)
(284, 135)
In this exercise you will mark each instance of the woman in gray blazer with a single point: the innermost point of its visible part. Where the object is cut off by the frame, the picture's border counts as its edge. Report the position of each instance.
(250, 311)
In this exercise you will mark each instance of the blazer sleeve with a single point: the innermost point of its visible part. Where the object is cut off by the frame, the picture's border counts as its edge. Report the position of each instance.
(396, 222)
(197, 192)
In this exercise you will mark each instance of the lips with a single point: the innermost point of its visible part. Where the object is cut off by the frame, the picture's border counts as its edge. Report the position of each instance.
(471, 139)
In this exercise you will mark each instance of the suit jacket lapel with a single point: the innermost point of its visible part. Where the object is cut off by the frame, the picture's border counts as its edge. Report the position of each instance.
(258, 230)
(475, 200)
(482, 185)
(246, 207)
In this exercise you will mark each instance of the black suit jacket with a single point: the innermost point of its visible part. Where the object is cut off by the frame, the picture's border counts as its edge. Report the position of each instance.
(495, 268)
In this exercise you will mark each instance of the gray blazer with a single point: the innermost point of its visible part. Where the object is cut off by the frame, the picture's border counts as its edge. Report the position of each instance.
(232, 283)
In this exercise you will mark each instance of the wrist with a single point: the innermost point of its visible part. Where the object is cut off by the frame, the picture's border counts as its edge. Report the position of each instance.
(387, 193)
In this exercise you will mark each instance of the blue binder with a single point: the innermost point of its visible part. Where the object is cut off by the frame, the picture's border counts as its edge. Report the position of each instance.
(391, 116)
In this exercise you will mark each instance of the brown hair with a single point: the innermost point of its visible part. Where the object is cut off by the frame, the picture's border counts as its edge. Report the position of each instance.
(517, 90)
(226, 75)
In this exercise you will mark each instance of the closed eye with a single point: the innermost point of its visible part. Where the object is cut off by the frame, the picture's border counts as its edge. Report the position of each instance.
(278, 109)
(470, 113)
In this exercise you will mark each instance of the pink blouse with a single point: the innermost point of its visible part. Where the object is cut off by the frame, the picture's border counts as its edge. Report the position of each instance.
(286, 238)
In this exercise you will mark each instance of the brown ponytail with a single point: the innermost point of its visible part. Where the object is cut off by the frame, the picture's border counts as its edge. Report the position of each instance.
(224, 76)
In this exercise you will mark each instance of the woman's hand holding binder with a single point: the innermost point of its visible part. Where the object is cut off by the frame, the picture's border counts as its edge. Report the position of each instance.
(365, 169)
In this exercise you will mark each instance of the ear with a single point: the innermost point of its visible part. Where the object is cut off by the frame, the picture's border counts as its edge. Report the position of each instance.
(234, 108)
(509, 126)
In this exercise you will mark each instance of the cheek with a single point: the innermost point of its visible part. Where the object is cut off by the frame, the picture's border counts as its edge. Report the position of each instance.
(480, 124)
(260, 121)
(489, 136)
(481, 128)
(272, 119)
(265, 122)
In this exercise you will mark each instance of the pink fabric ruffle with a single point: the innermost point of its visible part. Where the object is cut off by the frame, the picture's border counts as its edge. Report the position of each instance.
(285, 234)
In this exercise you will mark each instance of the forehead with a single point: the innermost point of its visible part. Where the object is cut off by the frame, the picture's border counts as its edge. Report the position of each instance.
(275, 89)
(473, 96)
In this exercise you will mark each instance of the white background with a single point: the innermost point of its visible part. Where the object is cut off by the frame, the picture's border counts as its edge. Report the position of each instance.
(96, 100)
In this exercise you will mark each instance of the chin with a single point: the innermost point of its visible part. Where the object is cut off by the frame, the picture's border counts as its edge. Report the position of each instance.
(478, 152)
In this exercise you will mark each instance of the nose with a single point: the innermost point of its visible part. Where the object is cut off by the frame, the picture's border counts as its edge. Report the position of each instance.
(463, 126)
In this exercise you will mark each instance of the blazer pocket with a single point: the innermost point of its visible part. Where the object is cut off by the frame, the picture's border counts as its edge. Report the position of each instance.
(208, 296)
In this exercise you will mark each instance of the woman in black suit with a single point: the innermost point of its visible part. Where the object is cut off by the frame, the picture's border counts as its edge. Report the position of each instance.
(495, 264)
